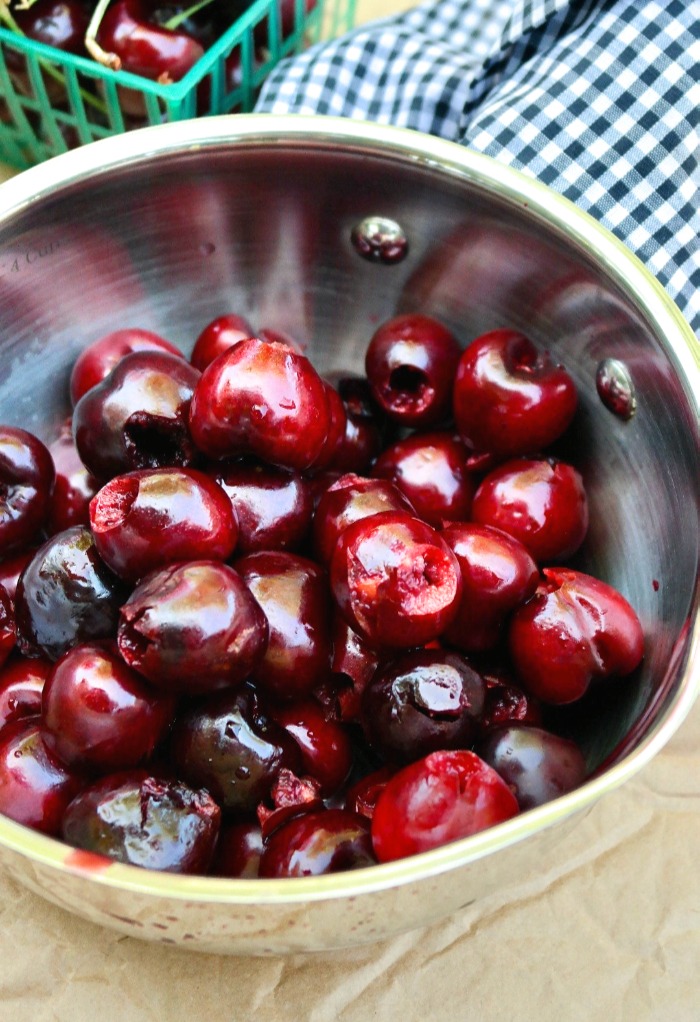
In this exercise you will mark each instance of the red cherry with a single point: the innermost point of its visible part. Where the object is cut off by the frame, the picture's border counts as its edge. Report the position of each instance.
(441, 798)
(327, 841)
(263, 399)
(145, 520)
(217, 337)
(510, 398)
(192, 628)
(74, 487)
(498, 574)
(537, 765)
(144, 48)
(350, 499)
(98, 360)
(430, 470)
(293, 594)
(542, 503)
(238, 851)
(325, 746)
(100, 715)
(574, 630)
(26, 482)
(35, 787)
(410, 364)
(395, 580)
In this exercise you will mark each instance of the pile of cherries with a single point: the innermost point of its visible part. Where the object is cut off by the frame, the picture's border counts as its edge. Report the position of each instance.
(257, 622)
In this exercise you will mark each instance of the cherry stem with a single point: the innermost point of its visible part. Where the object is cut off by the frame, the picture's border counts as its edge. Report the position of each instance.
(177, 19)
(110, 60)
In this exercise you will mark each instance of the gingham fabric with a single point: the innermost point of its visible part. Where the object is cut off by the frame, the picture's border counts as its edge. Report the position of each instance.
(600, 100)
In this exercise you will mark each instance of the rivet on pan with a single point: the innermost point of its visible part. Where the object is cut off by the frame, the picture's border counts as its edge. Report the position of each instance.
(615, 388)
(380, 240)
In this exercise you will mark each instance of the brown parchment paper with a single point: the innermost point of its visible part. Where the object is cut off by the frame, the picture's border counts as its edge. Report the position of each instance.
(609, 931)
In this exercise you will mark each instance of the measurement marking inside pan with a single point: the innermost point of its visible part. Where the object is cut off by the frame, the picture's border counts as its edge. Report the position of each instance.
(18, 261)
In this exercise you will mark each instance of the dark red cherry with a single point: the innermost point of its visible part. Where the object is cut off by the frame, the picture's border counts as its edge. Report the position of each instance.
(262, 399)
(294, 595)
(510, 398)
(35, 787)
(238, 851)
(574, 630)
(145, 520)
(21, 684)
(192, 628)
(327, 841)
(74, 487)
(143, 47)
(541, 502)
(362, 441)
(430, 470)
(325, 745)
(58, 23)
(137, 416)
(350, 499)
(441, 798)
(98, 360)
(395, 580)
(420, 702)
(362, 796)
(537, 765)
(99, 715)
(410, 364)
(12, 568)
(291, 796)
(498, 575)
(145, 821)
(230, 746)
(335, 437)
(66, 595)
(217, 337)
(352, 666)
(506, 702)
(273, 506)
(26, 482)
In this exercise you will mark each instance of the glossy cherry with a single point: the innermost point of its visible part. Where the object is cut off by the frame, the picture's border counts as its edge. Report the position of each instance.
(26, 482)
(99, 715)
(12, 568)
(143, 47)
(420, 702)
(74, 487)
(66, 595)
(295, 598)
(362, 441)
(506, 702)
(273, 506)
(325, 745)
(498, 575)
(238, 851)
(35, 787)
(145, 821)
(537, 765)
(137, 416)
(574, 630)
(262, 399)
(541, 502)
(441, 798)
(511, 398)
(98, 360)
(229, 745)
(362, 796)
(192, 627)
(58, 23)
(217, 337)
(410, 364)
(430, 470)
(350, 499)
(395, 580)
(8, 630)
(21, 684)
(145, 520)
(335, 437)
(328, 841)
(352, 665)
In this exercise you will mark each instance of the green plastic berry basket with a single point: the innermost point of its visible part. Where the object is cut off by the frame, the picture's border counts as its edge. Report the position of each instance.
(51, 101)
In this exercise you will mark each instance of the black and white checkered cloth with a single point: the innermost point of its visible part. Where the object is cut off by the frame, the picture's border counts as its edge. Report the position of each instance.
(600, 99)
